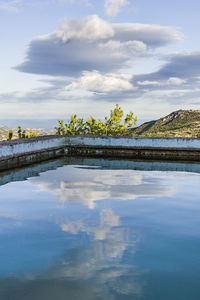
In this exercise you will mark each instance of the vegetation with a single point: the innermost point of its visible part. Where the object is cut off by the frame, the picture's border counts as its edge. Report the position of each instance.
(22, 133)
(112, 125)
(181, 123)
(10, 135)
(19, 132)
(4, 130)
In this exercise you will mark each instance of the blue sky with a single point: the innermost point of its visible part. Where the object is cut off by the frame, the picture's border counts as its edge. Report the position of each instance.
(60, 57)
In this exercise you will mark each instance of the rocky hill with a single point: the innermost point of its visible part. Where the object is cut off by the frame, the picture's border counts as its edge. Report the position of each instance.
(181, 123)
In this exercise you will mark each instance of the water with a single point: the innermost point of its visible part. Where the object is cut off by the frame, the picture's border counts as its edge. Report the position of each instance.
(93, 229)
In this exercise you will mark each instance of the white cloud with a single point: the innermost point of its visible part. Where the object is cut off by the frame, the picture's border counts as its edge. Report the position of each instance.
(153, 35)
(148, 82)
(90, 28)
(124, 49)
(171, 93)
(94, 44)
(112, 7)
(96, 82)
(174, 81)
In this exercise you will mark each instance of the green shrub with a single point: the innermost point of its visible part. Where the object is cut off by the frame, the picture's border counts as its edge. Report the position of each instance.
(10, 135)
(111, 126)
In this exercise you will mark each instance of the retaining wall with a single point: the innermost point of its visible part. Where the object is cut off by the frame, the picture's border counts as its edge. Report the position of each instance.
(25, 151)
(15, 147)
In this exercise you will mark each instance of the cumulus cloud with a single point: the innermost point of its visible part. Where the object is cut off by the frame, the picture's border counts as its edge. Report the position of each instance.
(123, 49)
(177, 82)
(91, 28)
(96, 82)
(93, 44)
(112, 7)
(93, 56)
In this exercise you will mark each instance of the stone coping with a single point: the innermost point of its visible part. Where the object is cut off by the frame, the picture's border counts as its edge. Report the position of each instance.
(47, 137)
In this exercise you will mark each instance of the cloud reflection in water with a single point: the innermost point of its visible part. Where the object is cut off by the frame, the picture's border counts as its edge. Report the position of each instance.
(95, 249)
(79, 185)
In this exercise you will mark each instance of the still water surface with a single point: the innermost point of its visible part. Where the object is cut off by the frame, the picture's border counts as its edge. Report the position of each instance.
(94, 232)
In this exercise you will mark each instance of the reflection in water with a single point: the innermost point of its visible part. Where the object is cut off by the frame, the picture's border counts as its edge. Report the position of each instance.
(75, 233)
(107, 230)
(107, 220)
(20, 174)
(92, 272)
(86, 187)
(102, 258)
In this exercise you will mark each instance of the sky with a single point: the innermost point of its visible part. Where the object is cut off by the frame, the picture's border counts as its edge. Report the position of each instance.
(61, 57)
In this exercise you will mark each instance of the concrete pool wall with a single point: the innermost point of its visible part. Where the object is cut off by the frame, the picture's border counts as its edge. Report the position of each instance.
(26, 151)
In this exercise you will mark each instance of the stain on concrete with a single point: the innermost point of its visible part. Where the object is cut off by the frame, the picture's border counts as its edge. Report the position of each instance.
(23, 152)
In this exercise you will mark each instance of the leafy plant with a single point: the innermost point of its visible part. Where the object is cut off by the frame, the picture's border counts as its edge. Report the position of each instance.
(23, 134)
(19, 132)
(112, 125)
(10, 135)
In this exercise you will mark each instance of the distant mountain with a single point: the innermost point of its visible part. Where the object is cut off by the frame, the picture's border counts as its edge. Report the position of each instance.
(5, 129)
(181, 123)
(4, 132)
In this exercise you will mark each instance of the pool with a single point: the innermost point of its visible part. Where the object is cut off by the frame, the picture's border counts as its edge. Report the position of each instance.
(95, 229)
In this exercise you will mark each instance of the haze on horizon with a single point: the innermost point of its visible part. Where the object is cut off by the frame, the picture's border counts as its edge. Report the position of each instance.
(60, 57)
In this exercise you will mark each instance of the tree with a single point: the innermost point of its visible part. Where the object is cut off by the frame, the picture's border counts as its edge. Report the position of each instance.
(61, 127)
(10, 135)
(32, 133)
(22, 134)
(75, 126)
(19, 132)
(111, 126)
(114, 124)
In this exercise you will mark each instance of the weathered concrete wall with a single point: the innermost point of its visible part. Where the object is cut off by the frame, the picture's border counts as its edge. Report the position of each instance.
(16, 147)
(23, 152)
(135, 142)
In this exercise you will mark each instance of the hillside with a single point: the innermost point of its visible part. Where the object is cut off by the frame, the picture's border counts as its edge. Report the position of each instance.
(4, 132)
(181, 123)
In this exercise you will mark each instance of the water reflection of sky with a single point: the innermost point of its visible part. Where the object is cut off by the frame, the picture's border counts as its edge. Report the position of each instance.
(92, 233)
(89, 185)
